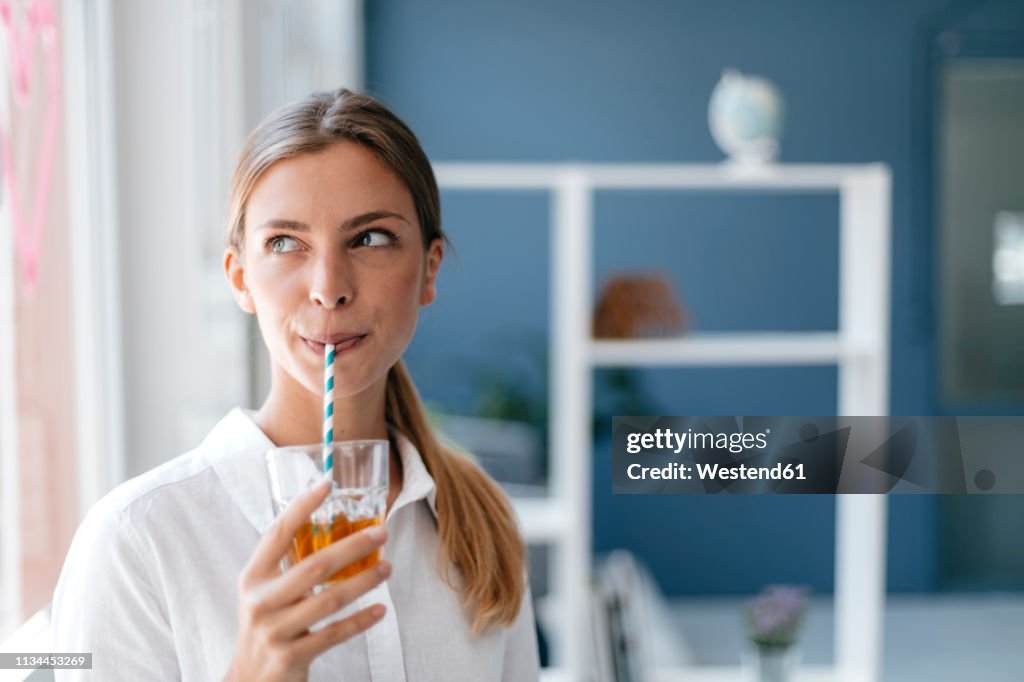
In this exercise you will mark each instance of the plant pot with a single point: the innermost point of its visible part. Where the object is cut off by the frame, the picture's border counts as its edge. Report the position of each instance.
(771, 664)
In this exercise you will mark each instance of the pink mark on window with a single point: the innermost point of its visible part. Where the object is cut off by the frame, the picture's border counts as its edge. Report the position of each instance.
(40, 25)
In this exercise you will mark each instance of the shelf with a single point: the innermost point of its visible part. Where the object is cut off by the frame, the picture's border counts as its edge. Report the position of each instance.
(725, 349)
(727, 673)
(555, 675)
(859, 352)
(542, 520)
(810, 673)
(723, 176)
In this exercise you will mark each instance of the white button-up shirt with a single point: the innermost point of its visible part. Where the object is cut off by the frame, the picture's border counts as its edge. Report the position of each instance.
(149, 585)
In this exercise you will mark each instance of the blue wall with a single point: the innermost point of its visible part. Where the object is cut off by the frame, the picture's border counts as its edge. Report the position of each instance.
(612, 81)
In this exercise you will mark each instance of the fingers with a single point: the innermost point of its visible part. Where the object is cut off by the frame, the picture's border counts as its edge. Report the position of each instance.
(276, 542)
(315, 643)
(318, 567)
(274, 615)
(310, 611)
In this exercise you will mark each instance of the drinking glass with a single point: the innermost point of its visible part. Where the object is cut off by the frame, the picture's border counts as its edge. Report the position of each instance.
(357, 500)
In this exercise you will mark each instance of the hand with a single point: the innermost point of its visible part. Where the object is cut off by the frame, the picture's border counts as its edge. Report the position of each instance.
(274, 616)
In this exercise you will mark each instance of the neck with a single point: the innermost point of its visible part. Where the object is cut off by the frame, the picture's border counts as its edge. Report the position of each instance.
(293, 415)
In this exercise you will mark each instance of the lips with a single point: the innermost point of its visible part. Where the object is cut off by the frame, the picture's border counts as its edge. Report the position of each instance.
(342, 342)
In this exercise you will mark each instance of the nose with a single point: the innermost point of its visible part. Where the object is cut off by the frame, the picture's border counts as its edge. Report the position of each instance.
(332, 284)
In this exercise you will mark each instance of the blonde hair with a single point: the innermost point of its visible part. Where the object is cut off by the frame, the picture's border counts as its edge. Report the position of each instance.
(476, 524)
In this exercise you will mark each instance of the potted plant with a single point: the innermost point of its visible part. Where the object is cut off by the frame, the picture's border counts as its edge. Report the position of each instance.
(774, 619)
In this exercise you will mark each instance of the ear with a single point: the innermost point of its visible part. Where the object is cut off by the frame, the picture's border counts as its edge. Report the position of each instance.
(234, 270)
(435, 253)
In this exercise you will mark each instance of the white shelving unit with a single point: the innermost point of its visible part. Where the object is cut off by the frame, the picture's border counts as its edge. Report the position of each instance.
(859, 348)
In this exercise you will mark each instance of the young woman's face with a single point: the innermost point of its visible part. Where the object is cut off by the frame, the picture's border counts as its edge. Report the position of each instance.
(333, 252)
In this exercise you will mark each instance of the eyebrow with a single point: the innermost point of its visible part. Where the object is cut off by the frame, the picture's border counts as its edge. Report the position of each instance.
(350, 224)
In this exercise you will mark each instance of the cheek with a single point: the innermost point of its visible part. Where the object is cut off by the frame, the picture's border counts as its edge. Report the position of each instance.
(273, 284)
(403, 297)
(413, 284)
(409, 282)
(273, 296)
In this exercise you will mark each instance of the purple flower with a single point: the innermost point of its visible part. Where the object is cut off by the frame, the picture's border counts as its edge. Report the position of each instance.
(774, 617)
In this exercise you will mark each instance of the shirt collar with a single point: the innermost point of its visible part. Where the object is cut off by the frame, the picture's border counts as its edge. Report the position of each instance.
(417, 483)
(236, 446)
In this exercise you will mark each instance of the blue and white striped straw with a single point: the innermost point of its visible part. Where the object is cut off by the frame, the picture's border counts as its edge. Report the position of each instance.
(328, 405)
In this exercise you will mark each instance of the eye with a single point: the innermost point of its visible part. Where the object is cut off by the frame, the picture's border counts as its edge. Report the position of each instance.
(280, 244)
(375, 237)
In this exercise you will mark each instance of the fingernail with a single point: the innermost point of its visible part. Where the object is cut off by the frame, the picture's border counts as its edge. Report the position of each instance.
(384, 569)
(377, 610)
(376, 533)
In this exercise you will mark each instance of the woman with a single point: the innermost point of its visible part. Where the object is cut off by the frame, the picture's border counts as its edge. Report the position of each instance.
(334, 237)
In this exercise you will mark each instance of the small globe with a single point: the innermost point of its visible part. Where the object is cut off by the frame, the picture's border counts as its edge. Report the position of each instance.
(745, 116)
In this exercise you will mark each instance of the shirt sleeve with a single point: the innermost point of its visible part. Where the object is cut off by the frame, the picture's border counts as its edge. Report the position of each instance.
(105, 604)
(522, 660)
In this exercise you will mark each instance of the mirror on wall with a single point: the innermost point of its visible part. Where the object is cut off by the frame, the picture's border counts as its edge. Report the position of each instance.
(979, 213)
(975, 215)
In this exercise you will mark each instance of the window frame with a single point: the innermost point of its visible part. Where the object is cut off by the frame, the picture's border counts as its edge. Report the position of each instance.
(87, 108)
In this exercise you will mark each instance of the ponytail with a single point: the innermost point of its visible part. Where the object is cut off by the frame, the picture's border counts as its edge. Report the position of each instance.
(476, 523)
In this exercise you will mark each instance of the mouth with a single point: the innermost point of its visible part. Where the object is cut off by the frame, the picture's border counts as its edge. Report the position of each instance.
(342, 343)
